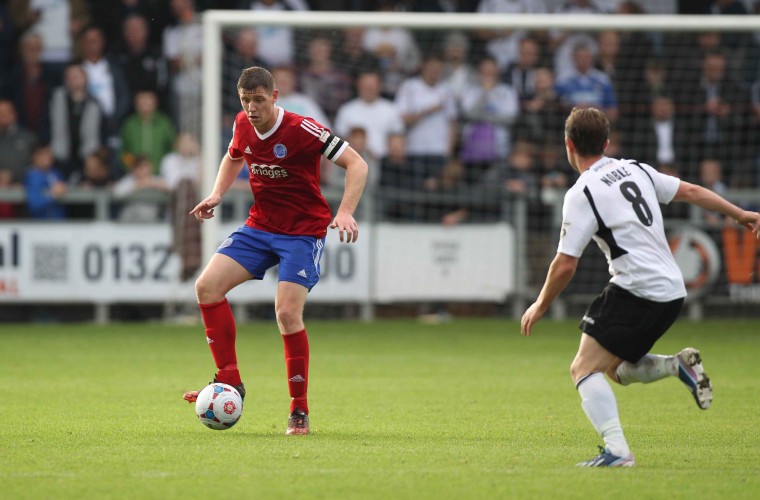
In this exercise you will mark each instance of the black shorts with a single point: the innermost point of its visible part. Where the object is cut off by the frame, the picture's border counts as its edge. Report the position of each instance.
(627, 325)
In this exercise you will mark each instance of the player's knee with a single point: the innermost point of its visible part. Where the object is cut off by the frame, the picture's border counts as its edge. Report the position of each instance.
(288, 318)
(573, 370)
(206, 292)
(578, 370)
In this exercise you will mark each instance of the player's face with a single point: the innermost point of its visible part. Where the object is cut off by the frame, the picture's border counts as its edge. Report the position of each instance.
(7, 114)
(258, 105)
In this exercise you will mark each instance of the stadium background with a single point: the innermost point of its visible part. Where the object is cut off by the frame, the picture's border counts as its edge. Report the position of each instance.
(476, 212)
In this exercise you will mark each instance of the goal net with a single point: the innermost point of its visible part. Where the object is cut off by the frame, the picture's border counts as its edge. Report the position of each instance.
(460, 118)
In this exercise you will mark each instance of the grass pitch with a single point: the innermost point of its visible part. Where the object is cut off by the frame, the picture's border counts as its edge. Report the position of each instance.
(398, 410)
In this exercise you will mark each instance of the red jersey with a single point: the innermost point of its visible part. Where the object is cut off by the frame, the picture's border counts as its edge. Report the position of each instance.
(284, 172)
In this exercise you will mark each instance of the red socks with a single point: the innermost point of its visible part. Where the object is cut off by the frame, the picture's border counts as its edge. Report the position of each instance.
(220, 335)
(297, 365)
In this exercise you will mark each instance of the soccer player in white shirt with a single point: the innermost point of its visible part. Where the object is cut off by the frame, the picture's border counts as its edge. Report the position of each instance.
(616, 202)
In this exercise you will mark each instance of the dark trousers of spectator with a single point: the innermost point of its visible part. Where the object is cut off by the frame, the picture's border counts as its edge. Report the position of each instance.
(422, 168)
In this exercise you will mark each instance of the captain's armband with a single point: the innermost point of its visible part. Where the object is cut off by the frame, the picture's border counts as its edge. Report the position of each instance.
(333, 146)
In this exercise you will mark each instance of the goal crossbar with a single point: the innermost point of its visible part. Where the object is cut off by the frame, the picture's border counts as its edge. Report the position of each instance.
(416, 20)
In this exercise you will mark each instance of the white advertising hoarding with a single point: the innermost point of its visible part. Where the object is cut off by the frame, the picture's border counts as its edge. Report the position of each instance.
(86, 262)
(432, 262)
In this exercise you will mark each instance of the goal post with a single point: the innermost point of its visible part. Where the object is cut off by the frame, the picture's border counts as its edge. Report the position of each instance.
(215, 22)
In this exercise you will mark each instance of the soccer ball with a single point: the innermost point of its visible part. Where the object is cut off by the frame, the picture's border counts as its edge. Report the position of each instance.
(219, 406)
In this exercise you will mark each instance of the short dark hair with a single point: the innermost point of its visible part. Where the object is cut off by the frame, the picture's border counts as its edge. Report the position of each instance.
(140, 159)
(255, 77)
(40, 146)
(589, 130)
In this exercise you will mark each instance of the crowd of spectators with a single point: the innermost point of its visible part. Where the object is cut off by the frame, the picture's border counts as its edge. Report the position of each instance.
(108, 95)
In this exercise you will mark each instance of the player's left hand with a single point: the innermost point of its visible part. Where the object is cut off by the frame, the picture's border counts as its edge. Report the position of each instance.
(751, 220)
(345, 222)
(530, 318)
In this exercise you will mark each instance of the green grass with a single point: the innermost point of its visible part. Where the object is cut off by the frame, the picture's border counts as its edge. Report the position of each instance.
(398, 410)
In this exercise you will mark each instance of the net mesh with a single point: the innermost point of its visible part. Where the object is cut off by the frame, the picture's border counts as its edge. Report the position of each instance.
(466, 126)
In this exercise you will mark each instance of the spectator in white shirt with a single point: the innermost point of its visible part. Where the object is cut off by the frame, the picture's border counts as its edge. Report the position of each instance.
(105, 79)
(376, 115)
(57, 21)
(429, 112)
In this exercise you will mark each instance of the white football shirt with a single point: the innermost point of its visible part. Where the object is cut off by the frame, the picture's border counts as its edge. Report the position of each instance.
(617, 203)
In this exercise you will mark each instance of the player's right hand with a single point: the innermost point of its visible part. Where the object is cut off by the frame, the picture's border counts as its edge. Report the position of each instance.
(205, 209)
(531, 316)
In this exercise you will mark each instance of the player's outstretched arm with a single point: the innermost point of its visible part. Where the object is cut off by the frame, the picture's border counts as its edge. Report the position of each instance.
(709, 200)
(561, 271)
(356, 177)
(229, 169)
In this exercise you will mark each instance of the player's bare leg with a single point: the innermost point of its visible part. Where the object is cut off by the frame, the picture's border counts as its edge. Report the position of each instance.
(686, 365)
(598, 401)
(289, 304)
(221, 275)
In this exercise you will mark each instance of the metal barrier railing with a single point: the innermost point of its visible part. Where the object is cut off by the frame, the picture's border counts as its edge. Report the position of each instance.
(499, 205)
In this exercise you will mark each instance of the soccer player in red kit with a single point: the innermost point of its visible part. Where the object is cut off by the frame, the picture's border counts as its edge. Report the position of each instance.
(286, 226)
